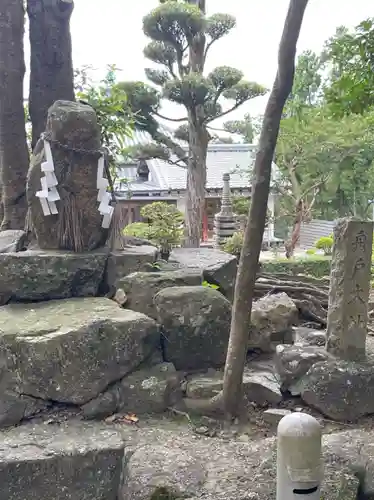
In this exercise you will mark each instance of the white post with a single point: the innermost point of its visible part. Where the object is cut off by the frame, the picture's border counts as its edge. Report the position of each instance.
(299, 458)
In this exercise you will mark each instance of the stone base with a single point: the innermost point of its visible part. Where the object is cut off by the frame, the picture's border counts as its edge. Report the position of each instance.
(73, 462)
(36, 275)
(126, 261)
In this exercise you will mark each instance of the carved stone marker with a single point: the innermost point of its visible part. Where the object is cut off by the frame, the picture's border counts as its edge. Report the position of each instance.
(225, 222)
(63, 179)
(349, 289)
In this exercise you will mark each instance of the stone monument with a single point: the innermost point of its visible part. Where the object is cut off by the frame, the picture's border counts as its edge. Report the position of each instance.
(225, 222)
(69, 206)
(349, 289)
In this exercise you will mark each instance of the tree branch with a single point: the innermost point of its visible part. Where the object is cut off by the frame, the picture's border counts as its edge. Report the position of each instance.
(169, 119)
(224, 113)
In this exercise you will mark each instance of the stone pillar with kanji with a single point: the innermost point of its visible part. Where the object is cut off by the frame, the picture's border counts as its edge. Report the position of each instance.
(349, 289)
(225, 222)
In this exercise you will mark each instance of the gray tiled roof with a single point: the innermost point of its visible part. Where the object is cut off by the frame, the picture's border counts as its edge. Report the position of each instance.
(236, 159)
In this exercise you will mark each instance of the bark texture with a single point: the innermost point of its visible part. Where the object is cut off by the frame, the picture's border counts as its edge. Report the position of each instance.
(198, 146)
(13, 147)
(248, 264)
(52, 76)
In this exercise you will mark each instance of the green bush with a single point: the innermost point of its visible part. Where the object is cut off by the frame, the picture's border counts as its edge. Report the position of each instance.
(310, 251)
(164, 227)
(234, 244)
(325, 243)
(138, 230)
(317, 266)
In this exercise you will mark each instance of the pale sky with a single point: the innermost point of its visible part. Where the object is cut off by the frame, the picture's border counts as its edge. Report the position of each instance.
(110, 32)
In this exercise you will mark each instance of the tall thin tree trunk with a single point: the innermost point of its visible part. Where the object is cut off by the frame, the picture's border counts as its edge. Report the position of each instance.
(13, 148)
(198, 145)
(248, 264)
(52, 76)
(196, 180)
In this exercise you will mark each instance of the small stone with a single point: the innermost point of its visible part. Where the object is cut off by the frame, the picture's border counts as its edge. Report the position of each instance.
(261, 388)
(293, 362)
(273, 416)
(271, 322)
(307, 336)
(204, 386)
(120, 297)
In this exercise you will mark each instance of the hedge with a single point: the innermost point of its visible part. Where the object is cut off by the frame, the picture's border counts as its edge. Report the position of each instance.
(311, 266)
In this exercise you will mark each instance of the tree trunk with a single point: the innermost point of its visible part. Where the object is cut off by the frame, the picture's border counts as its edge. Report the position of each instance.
(296, 228)
(196, 180)
(51, 76)
(248, 264)
(13, 148)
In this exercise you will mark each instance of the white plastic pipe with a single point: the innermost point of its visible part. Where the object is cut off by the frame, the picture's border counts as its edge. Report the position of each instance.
(299, 458)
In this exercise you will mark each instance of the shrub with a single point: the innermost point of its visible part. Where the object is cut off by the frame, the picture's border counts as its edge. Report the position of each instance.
(138, 230)
(311, 251)
(165, 223)
(316, 266)
(234, 244)
(325, 243)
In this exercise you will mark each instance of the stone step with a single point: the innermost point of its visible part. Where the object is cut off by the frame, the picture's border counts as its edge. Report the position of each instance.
(78, 461)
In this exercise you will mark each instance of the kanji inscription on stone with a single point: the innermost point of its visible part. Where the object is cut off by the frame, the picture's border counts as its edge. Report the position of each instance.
(349, 289)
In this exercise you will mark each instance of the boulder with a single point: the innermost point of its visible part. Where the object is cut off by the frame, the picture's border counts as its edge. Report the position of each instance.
(126, 261)
(273, 416)
(195, 326)
(141, 288)
(272, 319)
(36, 275)
(219, 268)
(12, 241)
(69, 351)
(340, 390)
(292, 363)
(148, 390)
(77, 226)
(73, 462)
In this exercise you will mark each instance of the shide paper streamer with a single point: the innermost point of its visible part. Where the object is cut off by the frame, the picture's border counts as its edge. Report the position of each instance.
(49, 194)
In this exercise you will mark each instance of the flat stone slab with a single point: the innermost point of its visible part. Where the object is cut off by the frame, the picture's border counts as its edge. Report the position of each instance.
(47, 275)
(218, 267)
(67, 462)
(68, 351)
(12, 240)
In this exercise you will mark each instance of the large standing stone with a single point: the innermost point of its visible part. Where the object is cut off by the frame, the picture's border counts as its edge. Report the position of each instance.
(67, 462)
(219, 268)
(196, 326)
(341, 390)
(77, 226)
(140, 288)
(271, 322)
(349, 289)
(47, 275)
(69, 351)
